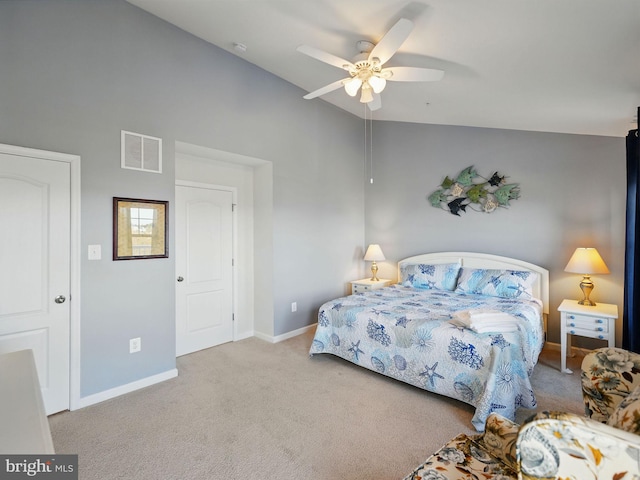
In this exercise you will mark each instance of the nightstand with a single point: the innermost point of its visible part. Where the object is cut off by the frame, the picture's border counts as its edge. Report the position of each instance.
(366, 284)
(592, 322)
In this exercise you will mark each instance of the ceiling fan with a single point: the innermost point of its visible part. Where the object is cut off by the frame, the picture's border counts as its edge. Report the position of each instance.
(366, 72)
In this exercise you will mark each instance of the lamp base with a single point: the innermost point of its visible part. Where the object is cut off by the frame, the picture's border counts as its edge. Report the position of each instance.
(586, 285)
(374, 272)
(587, 303)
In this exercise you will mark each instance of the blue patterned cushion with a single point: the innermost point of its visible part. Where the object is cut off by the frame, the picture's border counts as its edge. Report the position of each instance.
(441, 276)
(497, 283)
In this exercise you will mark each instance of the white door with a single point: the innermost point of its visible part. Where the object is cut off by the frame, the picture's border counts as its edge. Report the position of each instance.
(35, 270)
(204, 249)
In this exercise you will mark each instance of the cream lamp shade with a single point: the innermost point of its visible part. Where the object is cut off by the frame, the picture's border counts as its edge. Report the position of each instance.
(586, 261)
(374, 254)
(365, 93)
(352, 86)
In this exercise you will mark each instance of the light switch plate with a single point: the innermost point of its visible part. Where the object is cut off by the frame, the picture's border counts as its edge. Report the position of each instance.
(95, 252)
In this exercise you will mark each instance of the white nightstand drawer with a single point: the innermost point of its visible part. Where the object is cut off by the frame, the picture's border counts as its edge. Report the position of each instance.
(588, 333)
(366, 285)
(584, 322)
(357, 288)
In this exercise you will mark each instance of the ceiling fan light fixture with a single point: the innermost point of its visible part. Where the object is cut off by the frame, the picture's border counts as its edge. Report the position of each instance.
(366, 95)
(352, 86)
(377, 83)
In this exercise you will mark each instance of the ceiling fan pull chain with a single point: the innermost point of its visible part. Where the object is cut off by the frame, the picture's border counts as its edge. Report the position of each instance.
(371, 147)
(368, 144)
(364, 165)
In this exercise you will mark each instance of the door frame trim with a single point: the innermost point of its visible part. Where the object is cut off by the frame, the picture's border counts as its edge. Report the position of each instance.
(74, 258)
(234, 240)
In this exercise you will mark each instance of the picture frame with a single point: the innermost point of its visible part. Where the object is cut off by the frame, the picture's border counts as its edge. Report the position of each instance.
(140, 229)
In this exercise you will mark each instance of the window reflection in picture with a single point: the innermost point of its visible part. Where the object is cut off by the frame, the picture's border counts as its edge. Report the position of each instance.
(140, 229)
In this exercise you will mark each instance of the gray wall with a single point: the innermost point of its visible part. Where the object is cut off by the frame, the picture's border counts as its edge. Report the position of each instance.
(74, 73)
(573, 191)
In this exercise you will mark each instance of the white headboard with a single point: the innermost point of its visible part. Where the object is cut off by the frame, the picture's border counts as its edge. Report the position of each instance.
(485, 260)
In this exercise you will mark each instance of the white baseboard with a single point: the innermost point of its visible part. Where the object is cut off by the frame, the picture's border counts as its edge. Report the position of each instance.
(242, 336)
(284, 336)
(263, 336)
(128, 388)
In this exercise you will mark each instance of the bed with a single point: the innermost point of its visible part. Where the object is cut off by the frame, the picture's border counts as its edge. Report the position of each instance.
(419, 331)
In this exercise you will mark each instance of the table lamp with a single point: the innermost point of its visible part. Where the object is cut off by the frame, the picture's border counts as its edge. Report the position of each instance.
(374, 253)
(586, 261)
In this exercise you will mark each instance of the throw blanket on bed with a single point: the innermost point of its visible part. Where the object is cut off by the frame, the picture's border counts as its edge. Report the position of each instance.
(407, 334)
(483, 320)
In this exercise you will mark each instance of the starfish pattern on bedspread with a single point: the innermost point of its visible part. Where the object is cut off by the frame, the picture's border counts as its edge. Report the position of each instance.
(355, 349)
(430, 373)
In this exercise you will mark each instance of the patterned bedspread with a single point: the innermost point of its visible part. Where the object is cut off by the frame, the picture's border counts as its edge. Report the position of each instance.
(406, 333)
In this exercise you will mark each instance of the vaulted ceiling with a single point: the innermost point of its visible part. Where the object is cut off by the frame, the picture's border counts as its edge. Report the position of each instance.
(570, 66)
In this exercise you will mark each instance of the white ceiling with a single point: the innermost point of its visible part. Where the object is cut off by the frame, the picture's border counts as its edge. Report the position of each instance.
(570, 66)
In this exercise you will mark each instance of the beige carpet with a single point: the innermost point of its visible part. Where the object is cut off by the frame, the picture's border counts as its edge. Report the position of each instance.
(255, 410)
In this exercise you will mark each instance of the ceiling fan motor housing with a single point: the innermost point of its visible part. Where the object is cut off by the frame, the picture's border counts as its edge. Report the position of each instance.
(364, 46)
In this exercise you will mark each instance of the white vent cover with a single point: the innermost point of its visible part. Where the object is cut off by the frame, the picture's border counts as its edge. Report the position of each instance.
(141, 152)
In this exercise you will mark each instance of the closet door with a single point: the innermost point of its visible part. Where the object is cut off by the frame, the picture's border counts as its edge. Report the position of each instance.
(204, 283)
(35, 206)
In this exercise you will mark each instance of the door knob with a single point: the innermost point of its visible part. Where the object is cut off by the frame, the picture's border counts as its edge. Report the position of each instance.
(180, 279)
(60, 299)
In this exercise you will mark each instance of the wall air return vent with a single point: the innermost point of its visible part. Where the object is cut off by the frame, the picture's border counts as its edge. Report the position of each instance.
(141, 152)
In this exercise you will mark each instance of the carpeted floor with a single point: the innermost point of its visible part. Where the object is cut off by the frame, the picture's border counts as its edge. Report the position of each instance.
(252, 409)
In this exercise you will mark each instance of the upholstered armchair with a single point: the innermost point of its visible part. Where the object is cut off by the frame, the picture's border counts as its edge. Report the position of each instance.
(550, 445)
(491, 454)
(554, 445)
(567, 446)
(609, 376)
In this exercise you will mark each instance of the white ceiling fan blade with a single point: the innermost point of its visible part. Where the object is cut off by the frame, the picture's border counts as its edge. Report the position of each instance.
(411, 74)
(326, 57)
(392, 41)
(376, 103)
(326, 89)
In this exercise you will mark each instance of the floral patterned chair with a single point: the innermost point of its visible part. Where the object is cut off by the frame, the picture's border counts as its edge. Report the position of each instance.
(491, 454)
(550, 445)
(609, 376)
(554, 445)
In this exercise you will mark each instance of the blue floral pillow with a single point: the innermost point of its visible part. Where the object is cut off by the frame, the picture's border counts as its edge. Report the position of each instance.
(442, 276)
(497, 283)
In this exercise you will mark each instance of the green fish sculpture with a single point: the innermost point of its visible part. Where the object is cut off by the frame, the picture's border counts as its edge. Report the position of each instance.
(447, 183)
(466, 176)
(437, 197)
(475, 193)
(506, 193)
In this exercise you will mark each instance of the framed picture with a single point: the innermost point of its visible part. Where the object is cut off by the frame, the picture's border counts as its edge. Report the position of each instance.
(140, 229)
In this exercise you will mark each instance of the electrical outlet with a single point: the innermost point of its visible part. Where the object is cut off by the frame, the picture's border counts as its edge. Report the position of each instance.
(135, 345)
(294, 306)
